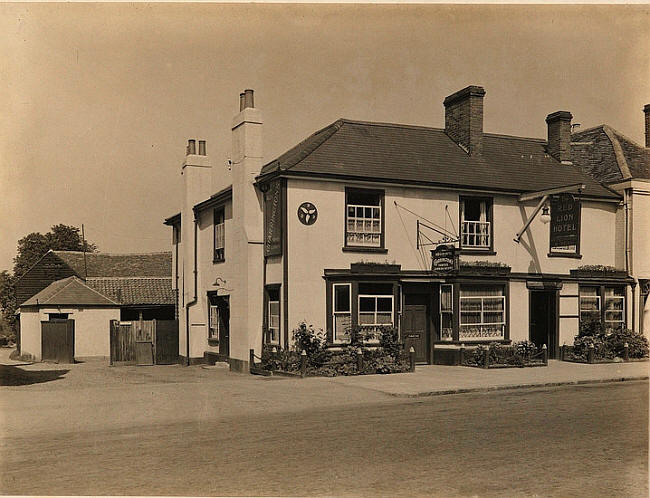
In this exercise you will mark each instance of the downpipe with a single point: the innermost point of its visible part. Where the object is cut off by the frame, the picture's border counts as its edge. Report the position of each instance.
(194, 297)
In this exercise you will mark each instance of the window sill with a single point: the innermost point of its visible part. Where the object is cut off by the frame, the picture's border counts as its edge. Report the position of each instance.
(563, 255)
(215, 261)
(376, 250)
(484, 252)
(213, 342)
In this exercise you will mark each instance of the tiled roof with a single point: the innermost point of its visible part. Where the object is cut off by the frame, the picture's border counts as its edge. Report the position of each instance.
(71, 291)
(422, 155)
(608, 156)
(157, 264)
(135, 290)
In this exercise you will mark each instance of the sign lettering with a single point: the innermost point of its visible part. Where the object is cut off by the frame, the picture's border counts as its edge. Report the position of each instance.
(565, 223)
(273, 220)
(444, 258)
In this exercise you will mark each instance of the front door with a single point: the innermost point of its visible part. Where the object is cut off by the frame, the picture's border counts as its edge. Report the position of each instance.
(543, 323)
(219, 323)
(414, 330)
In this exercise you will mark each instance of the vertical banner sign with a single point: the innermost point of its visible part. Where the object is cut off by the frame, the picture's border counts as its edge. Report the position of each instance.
(565, 223)
(273, 220)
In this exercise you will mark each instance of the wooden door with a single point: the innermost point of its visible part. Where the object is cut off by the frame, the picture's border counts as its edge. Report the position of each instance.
(414, 330)
(57, 341)
(166, 342)
(224, 327)
(543, 323)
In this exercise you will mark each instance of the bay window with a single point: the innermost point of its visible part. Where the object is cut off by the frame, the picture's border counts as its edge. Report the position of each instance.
(446, 312)
(342, 300)
(482, 312)
(605, 304)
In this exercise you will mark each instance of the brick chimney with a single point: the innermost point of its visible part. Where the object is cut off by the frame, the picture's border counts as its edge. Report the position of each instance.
(464, 118)
(559, 136)
(247, 232)
(646, 110)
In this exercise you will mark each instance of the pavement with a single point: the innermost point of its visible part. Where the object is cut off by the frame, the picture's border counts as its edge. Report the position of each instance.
(427, 380)
(432, 380)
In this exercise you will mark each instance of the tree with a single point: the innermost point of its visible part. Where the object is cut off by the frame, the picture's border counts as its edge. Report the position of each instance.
(30, 249)
(7, 298)
(33, 246)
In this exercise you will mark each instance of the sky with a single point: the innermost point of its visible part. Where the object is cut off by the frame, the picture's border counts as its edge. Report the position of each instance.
(97, 101)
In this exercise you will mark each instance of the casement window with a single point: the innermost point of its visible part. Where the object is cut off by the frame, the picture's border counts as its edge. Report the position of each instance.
(342, 311)
(273, 316)
(476, 223)
(364, 218)
(482, 313)
(446, 312)
(605, 304)
(219, 235)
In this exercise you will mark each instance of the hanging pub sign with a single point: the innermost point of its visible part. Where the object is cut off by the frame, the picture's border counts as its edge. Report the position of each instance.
(444, 258)
(273, 219)
(565, 224)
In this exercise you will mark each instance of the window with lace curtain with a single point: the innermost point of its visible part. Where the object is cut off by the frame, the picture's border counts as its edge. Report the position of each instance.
(482, 313)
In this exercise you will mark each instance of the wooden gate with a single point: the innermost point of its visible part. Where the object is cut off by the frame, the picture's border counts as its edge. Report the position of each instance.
(122, 343)
(144, 342)
(57, 341)
(166, 341)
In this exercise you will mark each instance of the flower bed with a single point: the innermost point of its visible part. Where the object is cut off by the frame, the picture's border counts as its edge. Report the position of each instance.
(356, 358)
(520, 354)
(597, 344)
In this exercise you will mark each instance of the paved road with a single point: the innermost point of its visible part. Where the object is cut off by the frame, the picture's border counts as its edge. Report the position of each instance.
(234, 435)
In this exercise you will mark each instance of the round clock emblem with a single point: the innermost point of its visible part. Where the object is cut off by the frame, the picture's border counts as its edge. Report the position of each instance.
(307, 213)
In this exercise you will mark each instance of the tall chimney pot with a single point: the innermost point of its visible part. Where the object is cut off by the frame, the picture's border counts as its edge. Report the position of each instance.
(241, 101)
(464, 118)
(559, 136)
(248, 99)
(646, 110)
(191, 147)
(201, 147)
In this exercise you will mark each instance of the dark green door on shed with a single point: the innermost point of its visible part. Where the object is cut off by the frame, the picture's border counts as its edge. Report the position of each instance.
(57, 341)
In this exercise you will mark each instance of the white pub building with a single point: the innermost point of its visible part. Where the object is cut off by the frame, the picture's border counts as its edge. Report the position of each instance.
(452, 235)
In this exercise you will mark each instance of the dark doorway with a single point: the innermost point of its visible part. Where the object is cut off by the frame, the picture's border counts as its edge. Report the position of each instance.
(57, 341)
(414, 325)
(543, 320)
(219, 324)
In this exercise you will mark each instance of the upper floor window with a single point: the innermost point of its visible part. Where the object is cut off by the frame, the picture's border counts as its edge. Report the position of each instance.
(219, 235)
(364, 218)
(475, 223)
